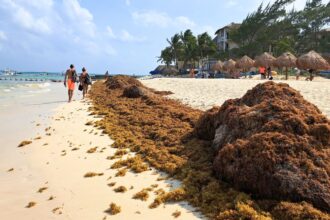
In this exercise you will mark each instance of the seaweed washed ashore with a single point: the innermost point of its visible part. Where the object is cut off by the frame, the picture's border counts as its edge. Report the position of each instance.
(163, 133)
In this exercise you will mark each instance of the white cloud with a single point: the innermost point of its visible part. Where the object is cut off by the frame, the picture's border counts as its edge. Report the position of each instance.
(110, 32)
(25, 19)
(3, 36)
(127, 37)
(81, 17)
(231, 3)
(128, 2)
(161, 19)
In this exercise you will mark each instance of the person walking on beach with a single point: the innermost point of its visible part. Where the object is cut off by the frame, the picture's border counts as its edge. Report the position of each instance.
(85, 81)
(262, 72)
(69, 80)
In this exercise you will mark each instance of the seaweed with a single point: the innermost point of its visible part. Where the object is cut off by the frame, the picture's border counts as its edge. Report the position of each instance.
(143, 195)
(120, 189)
(162, 133)
(24, 143)
(92, 174)
(114, 209)
(30, 205)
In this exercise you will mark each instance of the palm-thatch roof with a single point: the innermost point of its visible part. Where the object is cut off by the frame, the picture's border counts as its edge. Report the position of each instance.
(217, 66)
(165, 70)
(265, 60)
(312, 60)
(286, 60)
(245, 63)
(229, 65)
(326, 56)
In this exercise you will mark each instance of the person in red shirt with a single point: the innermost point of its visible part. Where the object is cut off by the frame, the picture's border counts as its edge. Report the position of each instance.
(262, 71)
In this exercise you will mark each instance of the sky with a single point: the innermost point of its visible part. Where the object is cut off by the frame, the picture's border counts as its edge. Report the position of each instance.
(121, 36)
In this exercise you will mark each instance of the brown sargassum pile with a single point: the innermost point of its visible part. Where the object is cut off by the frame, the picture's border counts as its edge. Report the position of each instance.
(163, 132)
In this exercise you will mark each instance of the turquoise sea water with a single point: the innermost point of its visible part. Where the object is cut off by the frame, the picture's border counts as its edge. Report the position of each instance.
(19, 88)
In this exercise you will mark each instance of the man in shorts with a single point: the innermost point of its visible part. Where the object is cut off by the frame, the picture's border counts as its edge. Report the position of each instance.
(70, 80)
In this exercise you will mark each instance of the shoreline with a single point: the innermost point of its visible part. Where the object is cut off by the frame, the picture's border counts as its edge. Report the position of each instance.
(60, 167)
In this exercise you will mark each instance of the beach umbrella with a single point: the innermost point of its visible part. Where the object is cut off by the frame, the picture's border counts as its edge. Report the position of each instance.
(229, 65)
(217, 66)
(265, 60)
(326, 56)
(287, 60)
(312, 60)
(245, 63)
(169, 70)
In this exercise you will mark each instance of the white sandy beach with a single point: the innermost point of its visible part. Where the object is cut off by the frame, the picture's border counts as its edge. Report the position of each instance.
(206, 93)
(59, 159)
(53, 162)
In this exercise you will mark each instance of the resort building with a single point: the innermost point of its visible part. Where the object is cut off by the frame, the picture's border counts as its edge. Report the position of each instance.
(222, 38)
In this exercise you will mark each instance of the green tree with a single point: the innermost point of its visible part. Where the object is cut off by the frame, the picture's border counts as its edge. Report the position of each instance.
(166, 56)
(176, 47)
(206, 46)
(190, 47)
(311, 20)
(260, 29)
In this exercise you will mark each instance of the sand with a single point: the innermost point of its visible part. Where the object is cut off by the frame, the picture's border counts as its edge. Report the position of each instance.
(52, 164)
(206, 93)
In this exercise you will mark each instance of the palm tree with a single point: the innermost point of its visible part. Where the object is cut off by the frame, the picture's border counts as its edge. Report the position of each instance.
(166, 56)
(189, 42)
(176, 46)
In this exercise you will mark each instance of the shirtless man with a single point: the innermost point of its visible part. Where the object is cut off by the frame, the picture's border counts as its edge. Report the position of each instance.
(69, 80)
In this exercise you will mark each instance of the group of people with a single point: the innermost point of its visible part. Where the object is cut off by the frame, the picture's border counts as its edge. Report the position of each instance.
(266, 73)
(71, 78)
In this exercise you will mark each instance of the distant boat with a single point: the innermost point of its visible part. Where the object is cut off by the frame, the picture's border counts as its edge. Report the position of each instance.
(8, 72)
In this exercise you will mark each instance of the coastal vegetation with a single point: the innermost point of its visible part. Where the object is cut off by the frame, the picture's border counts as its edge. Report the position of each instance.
(162, 132)
(270, 28)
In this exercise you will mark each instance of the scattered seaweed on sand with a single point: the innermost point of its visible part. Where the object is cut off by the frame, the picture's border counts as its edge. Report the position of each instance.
(161, 132)
(136, 164)
(121, 172)
(45, 144)
(75, 149)
(92, 150)
(112, 184)
(30, 205)
(90, 123)
(37, 138)
(172, 196)
(120, 189)
(176, 214)
(92, 174)
(42, 189)
(10, 170)
(57, 211)
(24, 143)
(51, 198)
(114, 209)
(143, 195)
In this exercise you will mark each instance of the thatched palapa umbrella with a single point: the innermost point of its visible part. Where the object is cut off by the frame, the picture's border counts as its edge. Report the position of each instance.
(217, 66)
(326, 56)
(312, 61)
(245, 63)
(265, 60)
(287, 60)
(229, 65)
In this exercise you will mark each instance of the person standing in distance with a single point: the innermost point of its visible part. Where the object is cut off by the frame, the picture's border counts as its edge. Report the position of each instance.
(70, 80)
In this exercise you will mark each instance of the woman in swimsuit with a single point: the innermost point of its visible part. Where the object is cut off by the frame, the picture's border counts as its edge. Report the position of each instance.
(84, 81)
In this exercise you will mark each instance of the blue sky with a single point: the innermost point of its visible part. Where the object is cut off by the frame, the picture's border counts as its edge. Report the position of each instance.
(122, 36)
